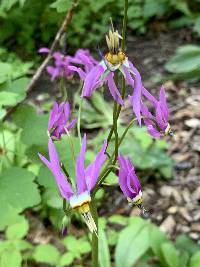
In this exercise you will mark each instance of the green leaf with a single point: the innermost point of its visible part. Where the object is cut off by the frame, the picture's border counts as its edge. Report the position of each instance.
(10, 258)
(112, 179)
(17, 192)
(76, 246)
(17, 230)
(183, 242)
(155, 8)
(7, 146)
(118, 219)
(104, 254)
(14, 92)
(61, 5)
(53, 198)
(132, 244)
(66, 259)
(46, 178)
(157, 238)
(112, 237)
(195, 260)
(170, 255)
(32, 124)
(46, 254)
(186, 59)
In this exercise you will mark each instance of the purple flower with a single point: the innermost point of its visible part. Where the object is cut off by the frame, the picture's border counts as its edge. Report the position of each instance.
(129, 182)
(157, 125)
(64, 65)
(85, 59)
(58, 120)
(61, 64)
(86, 178)
(104, 72)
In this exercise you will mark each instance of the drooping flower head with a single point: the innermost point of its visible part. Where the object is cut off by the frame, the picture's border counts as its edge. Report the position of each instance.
(157, 125)
(115, 59)
(129, 182)
(86, 62)
(86, 179)
(59, 120)
(65, 65)
(61, 64)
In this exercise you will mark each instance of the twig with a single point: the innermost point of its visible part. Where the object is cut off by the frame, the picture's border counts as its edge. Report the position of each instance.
(39, 71)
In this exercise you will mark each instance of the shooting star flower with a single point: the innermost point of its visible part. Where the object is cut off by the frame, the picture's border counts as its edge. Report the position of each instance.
(86, 179)
(65, 65)
(128, 181)
(104, 72)
(61, 64)
(58, 120)
(85, 60)
(157, 125)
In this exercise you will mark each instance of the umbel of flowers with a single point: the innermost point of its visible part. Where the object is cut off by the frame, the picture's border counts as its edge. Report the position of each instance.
(152, 112)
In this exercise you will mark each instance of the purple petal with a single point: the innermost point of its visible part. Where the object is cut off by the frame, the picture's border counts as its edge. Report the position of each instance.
(80, 169)
(43, 50)
(54, 72)
(80, 72)
(153, 132)
(163, 103)
(72, 124)
(113, 89)
(45, 161)
(54, 167)
(137, 92)
(92, 79)
(160, 118)
(52, 116)
(150, 97)
(93, 170)
(123, 177)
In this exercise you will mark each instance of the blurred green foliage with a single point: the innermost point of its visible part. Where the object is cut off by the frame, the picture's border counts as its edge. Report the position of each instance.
(139, 243)
(25, 183)
(185, 64)
(28, 25)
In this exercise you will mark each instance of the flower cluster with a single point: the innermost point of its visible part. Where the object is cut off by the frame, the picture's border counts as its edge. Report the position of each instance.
(66, 66)
(96, 75)
(58, 120)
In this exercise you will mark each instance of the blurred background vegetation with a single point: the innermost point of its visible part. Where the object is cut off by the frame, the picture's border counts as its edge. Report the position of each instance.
(31, 212)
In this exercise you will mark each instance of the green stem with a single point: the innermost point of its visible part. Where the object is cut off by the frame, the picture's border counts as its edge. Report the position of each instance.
(108, 168)
(93, 210)
(115, 131)
(124, 26)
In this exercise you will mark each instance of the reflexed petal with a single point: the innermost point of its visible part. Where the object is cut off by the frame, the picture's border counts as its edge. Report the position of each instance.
(137, 92)
(150, 97)
(54, 72)
(160, 118)
(54, 167)
(45, 161)
(53, 155)
(128, 180)
(43, 50)
(72, 124)
(163, 103)
(93, 170)
(52, 116)
(153, 132)
(92, 79)
(113, 89)
(123, 177)
(80, 168)
(80, 72)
